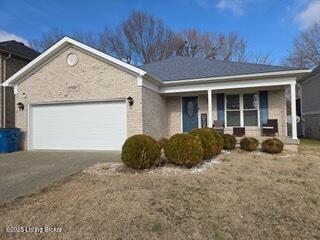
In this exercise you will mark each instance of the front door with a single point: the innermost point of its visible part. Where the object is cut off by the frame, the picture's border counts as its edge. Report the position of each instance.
(189, 113)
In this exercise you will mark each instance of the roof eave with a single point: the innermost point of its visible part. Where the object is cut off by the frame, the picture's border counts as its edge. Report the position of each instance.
(295, 73)
(314, 72)
(17, 55)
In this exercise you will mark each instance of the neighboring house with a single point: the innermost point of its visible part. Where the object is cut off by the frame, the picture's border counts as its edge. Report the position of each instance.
(75, 97)
(310, 104)
(13, 56)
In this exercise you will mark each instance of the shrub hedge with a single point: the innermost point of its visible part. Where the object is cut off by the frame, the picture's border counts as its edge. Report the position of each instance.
(230, 141)
(184, 150)
(272, 145)
(140, 152)
(219, 139)
(209, 142)
(249, 143)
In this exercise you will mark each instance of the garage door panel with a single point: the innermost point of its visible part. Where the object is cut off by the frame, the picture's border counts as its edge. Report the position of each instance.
(80, 126)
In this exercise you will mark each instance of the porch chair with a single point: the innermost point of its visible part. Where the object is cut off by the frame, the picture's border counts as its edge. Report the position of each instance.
(271, 128)
(218, 126)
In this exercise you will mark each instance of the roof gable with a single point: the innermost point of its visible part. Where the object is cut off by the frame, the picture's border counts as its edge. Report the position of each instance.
(56, 49)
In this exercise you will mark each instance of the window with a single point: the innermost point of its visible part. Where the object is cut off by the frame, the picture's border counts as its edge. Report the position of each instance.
(233, 110)
(250, 109)
(242, 110)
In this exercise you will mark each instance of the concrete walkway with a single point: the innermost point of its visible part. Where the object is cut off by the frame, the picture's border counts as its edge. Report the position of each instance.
(22, 173)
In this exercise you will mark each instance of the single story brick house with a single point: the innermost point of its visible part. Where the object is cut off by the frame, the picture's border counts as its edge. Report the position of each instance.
(75, 97)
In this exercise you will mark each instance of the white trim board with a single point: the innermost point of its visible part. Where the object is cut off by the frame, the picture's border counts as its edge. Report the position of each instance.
(229, 85)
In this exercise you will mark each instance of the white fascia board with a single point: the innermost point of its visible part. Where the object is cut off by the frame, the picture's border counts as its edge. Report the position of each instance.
(106, 57)
(228, 85)
(14, 79)
(147, 83)
(15, 90)
(240, 77)
(150, 85)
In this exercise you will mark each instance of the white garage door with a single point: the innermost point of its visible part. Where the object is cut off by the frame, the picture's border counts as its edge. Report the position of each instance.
(78, 126)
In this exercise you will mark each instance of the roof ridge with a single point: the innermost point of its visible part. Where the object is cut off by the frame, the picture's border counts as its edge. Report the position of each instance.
(217, 60)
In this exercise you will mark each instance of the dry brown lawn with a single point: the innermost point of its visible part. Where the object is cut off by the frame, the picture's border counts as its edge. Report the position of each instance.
(246, 196)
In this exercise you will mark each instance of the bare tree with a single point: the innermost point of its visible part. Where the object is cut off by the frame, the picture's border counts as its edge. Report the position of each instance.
(51, 37)
(306, 48)
(192, 43)
(142, 38)
(231, 47)
(148, 37)
(261, 58)
(47, 39)
(114, 42)
(87, 38)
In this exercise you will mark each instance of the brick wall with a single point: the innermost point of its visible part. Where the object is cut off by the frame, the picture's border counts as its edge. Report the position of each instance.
(278, 109)
(154, 107)
(174, 115)
(90, 79)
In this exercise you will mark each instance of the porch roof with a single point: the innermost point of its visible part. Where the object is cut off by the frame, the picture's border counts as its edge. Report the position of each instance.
(188, 68)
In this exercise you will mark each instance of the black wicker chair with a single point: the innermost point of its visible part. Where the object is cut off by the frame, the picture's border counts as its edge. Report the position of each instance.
(271, 128)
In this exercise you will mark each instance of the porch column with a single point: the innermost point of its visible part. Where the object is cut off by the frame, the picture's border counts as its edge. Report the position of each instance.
(293, 111)
(210, 108)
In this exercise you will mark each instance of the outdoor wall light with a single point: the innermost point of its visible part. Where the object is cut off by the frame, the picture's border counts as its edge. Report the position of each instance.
(20, 106)
(130, 101)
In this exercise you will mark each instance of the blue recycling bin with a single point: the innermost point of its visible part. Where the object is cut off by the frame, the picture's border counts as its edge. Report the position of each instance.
(9, 140)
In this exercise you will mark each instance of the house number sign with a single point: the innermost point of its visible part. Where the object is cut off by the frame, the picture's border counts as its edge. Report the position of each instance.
(203, 120)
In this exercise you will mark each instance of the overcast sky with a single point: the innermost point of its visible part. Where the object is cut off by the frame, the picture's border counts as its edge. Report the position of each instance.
(269, 26)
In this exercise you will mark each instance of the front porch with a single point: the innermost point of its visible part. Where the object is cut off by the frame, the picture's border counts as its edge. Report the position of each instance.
(252, 109)
(249, 108)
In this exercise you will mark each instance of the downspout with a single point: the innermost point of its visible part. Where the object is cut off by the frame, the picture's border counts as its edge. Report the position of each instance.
(4, 90)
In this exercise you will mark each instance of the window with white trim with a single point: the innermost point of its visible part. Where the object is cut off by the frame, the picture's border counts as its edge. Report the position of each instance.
(233, 110)
(242, 110)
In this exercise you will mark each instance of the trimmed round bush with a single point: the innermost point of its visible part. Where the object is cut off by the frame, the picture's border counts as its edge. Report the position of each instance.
(184, 150)
(272, 145)
(140, 152)
(230, 141)
(209, 142)
(219, 139)
(249, 143)
(162, 142)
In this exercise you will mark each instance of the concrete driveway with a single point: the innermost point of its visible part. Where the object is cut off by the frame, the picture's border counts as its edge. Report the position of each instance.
(22, 173)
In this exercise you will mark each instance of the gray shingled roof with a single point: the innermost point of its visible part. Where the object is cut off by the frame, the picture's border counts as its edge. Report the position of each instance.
(183, 68)
(18, 49)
